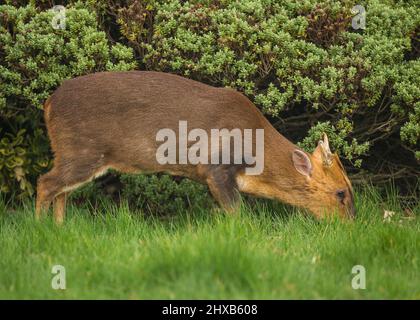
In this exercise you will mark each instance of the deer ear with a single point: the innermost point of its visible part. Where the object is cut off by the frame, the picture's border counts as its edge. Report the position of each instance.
(302, 162)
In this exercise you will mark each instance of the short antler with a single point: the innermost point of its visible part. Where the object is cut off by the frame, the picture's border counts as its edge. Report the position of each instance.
(325, 151)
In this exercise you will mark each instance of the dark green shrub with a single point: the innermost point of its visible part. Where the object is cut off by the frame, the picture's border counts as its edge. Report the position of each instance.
(299, 61)
(303, 64)
(34, 60)
(159, 194)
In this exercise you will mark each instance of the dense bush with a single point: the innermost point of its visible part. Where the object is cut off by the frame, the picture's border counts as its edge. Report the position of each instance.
(34, 60)
(157, 194)
(161, 194)
(301, 62)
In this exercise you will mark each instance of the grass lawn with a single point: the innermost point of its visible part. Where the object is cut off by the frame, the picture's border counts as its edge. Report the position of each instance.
(269, 251)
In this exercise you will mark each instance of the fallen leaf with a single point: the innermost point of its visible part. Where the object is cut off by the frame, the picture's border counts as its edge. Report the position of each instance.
(388, 215)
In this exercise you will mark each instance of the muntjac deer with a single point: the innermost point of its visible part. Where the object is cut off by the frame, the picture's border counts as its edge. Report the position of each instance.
(112, 120)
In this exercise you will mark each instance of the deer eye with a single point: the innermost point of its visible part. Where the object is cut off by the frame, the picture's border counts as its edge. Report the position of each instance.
(341, 194)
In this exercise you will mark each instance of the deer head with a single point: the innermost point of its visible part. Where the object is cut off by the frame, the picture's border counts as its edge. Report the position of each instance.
(327, 187)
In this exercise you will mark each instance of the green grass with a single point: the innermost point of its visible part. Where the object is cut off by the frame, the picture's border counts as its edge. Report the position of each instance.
(269, 251)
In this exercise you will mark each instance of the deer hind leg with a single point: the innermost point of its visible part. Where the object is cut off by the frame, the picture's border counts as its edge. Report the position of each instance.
(222, 184)
(60, 207)
(46, 190)
(56, 185)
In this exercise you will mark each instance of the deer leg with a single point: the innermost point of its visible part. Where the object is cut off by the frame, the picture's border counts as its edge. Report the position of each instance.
(223, 187)
(45, 192)
(60, 207)
(56, 184)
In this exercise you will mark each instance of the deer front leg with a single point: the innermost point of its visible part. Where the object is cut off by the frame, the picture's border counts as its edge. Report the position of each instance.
(223, 187)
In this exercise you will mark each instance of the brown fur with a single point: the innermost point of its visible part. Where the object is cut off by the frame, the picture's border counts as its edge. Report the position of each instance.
(110, 120)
